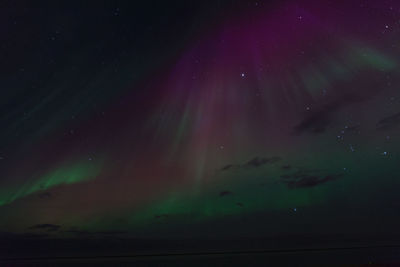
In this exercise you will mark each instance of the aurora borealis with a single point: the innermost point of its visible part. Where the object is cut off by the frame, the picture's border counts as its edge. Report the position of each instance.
(236, 119)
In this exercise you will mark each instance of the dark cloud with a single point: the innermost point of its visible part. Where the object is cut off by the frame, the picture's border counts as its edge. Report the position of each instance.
(318, 119)
(286, 167)
(389, 122)
(260, 161)
(227, 167)
(315, 123)
(87, 233)
(46, 227)
(239, 204)
(253, 163)
(161, 216)
(225, 193)
(256, 162)
(304, 179)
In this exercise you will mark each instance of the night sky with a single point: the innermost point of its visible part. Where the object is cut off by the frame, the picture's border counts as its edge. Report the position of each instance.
(199, 119)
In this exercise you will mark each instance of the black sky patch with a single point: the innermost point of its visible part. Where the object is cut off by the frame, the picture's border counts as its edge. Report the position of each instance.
(46, 227)
(89, 233)
(389, 122)
(110, 233)
(353, 129)
(45, 195)
(14, 236)
(78, 232)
